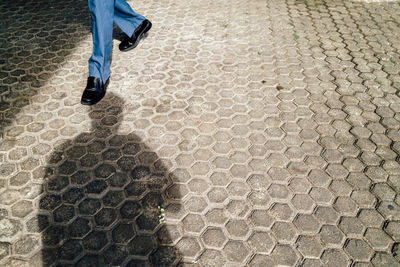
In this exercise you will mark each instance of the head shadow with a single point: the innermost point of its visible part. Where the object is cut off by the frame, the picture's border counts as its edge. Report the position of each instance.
(104, 198)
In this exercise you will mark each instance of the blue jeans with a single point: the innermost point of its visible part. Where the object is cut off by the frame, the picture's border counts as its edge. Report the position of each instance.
(104, 14)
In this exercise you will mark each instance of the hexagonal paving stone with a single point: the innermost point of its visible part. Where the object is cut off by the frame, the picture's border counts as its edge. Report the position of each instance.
(141, 245)
(237, 208)
(237, 188)
(22, 208)
(319, 178)
(64, 213)
(217, 195)
(312, 262)
(95, 241)
(89, 206)
(168, 234)
(279, 174)
(69, 250)
(359, 250)
(261, 260)
(260, 218)
(364, 198)
(197, 186)
(332, 236)
(258, 182)
(79, 227)
(135, 189)
(115, 254)
(321, 195)
(193, 223)
(148, 220)
(370, 218)
(261, 242)
(220, 178)
(378, 239)
(341, 188)
(81, 177)
(278, 191)
(200, 168)
(189, 247)
(307, 223)
(284, 232)
(73, 195)
(162, 256)
(389, 210)
(393, 229)
(122, 233)
(96, 187)
(175, 211)
(57, 183)
(37, 223)
(303, 203)
(140, 172)
(20, 179)
(351, 226)
(237, 228)
(216, 216)
(26, 245)
(113, 198)
(211, 258)
(345, 206)
(284, 255)
(334, 257)
(214, 237)
(49, 202)
(105, 217)
(4, 250)
(260, 199)
(326, 215)
(236, 251)
(384, 259)
(309, 246)
(118, 179)
(53, 235)
(196, 204)
(281, 211)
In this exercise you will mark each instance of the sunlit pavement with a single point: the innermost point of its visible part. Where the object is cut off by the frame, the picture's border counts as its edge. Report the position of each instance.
(242, 132)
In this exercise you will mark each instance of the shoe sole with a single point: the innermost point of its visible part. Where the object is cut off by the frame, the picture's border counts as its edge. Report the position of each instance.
(98, 100)
(143, 35)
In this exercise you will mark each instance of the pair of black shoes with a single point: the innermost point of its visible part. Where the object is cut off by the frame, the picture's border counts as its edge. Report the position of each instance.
(95, 88)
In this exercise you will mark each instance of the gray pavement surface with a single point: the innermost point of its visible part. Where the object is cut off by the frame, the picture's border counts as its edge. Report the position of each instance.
(239, 133)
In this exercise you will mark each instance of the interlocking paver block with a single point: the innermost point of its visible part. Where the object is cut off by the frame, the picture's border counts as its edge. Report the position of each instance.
(214, 237)
(236, 251)
(359, 250)
(284, 255)
(309, 246)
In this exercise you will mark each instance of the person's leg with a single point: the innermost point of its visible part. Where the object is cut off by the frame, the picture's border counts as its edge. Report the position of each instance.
(134, 25)
(125, 18)
(102, 13)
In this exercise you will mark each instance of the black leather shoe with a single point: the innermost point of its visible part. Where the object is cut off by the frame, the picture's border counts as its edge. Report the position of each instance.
(140, 32)
(95, 90)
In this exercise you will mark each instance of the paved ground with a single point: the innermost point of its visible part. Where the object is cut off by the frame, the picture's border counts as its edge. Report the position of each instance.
(261, 133)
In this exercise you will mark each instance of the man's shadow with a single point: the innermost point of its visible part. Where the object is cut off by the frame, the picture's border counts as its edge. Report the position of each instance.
(104, 198)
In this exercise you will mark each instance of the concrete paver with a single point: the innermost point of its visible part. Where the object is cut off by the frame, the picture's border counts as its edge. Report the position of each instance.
(238, 133)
